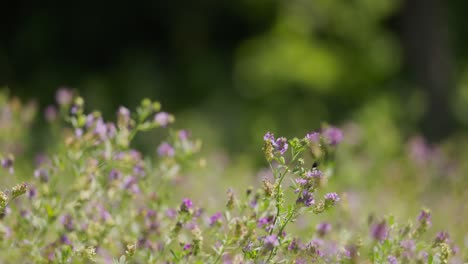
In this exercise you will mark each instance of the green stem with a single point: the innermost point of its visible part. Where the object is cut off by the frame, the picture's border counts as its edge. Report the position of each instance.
(278, 187)
(278, 206)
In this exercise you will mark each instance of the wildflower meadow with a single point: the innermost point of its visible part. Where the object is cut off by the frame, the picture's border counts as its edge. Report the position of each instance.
(92, 196)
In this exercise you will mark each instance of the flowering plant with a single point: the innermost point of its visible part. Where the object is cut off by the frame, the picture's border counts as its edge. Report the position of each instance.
(96, 199)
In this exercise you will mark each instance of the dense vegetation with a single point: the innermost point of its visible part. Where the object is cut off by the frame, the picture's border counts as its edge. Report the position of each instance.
(91, 197)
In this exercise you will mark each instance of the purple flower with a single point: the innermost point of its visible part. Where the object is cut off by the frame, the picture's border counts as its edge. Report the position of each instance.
(32, 192)
(333, 135)
(78, 132)
(392, 260)
(425, 217)
(67, 221)
(270, 242)
(269, 137)
(74, 109)
(187, 246)
(100, 129)
(65, 240)
(123, 116)
(215, 218)
(103, 213)
(7, 163)
(150, 213)
(135, 154)
(301, 181)
(90, 120)
(198, 212)
(162, 118)
(300, 261)
(323, 228)
(442, 237)
(129, 181)
(314, 173)
(64, 96)
(139, 170)
(184, 134)
(294, 245)
(264, 221)
(313, 137)
(171, 213)
(50, 113)
(351, 251)
(332, 198)
(423, 255)
(314, 247)
(124, 112)
(40, 159)
(166, 150)
(114, 174)
(191, 225)
(409, 247)
(42, 175)
(379, 231)
(281, 145)
(111, 130)
(306, 198)
(186, 205)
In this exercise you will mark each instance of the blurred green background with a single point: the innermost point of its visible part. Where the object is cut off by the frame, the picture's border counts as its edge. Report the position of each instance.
(244, 67)
(384, 70)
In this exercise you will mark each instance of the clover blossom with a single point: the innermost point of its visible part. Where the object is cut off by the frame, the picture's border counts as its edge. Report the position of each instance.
(269, 137)
(295, 245)
(442, 237)
(331, 198)
(183, 134)
(313, 137)
(67, 221)
(7, 163)
(163, 119)
(64, 96)
(264, 221)
(409, 248)
(186, 205)
(379, 231)
(424, 218)
(281, 145)
(323, 228)
(392, 260)
(270, 242)
(333, 135)
(306, 198)
(166, 150)
(114, 174)
(42, 175)
(123, 117)
(187, 246)
(215, 218)
(32, 192)
(314, 173)
(50, 113)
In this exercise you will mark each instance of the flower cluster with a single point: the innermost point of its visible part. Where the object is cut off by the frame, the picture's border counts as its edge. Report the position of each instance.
(96, 198)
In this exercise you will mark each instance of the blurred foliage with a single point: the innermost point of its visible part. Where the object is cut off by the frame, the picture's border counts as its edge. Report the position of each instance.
(241, 67)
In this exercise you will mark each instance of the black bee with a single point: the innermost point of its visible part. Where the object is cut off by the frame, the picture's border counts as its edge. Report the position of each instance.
(315, 165)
